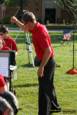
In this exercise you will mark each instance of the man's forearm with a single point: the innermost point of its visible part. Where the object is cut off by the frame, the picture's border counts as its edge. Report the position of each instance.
(19, 24)
(46, 57)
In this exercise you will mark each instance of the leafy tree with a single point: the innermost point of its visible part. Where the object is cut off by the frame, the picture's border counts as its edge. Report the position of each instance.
(16, 2)
(69, 7)
(12, 2)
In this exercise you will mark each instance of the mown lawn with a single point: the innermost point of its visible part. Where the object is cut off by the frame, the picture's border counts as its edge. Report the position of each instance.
(26, 85)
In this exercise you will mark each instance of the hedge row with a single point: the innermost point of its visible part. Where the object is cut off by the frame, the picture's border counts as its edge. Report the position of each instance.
(61, 26)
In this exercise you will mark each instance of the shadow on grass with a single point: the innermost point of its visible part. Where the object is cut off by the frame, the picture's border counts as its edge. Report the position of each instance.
(25, 85)
(27, 65)
(69, 111)
(66, 111)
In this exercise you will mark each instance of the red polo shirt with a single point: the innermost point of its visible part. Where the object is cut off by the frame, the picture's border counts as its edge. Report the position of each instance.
(41, 40)
(10, 42)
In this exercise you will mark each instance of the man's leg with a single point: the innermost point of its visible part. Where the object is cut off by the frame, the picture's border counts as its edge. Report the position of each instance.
(49, 74)
(44, 101)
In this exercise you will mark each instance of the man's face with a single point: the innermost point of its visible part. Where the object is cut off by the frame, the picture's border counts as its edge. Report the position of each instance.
(26, 27)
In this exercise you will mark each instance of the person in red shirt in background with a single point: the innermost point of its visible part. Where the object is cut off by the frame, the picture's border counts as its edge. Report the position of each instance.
(8, 40)
(45, 53)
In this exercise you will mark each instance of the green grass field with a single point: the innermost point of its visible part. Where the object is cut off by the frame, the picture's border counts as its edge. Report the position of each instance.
(26, 85)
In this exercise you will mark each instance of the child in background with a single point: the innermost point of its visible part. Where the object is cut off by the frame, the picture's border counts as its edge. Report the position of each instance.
(8, 40)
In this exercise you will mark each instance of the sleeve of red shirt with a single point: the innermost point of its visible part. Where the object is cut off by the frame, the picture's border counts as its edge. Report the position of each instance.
(14, 46)
(5, 48)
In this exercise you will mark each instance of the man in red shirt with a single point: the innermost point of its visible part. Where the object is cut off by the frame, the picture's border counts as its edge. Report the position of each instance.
(45, 53)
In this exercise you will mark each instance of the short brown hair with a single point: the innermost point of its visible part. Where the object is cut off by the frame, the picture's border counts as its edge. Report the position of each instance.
(28, 17)
(3, 29)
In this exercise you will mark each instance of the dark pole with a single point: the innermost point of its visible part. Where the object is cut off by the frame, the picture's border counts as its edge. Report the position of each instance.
(73, 47)
(2, 10)
(20, 11)
(74, 29)
(21, 5)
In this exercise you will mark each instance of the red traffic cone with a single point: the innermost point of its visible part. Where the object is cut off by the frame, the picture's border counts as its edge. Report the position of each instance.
(72, 71)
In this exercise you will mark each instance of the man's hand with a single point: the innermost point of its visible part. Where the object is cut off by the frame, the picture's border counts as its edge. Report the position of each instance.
(17, 22)
(13, 19)
(40, 71)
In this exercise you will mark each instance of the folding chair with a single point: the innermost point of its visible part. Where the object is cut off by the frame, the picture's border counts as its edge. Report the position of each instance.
(7, 66)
